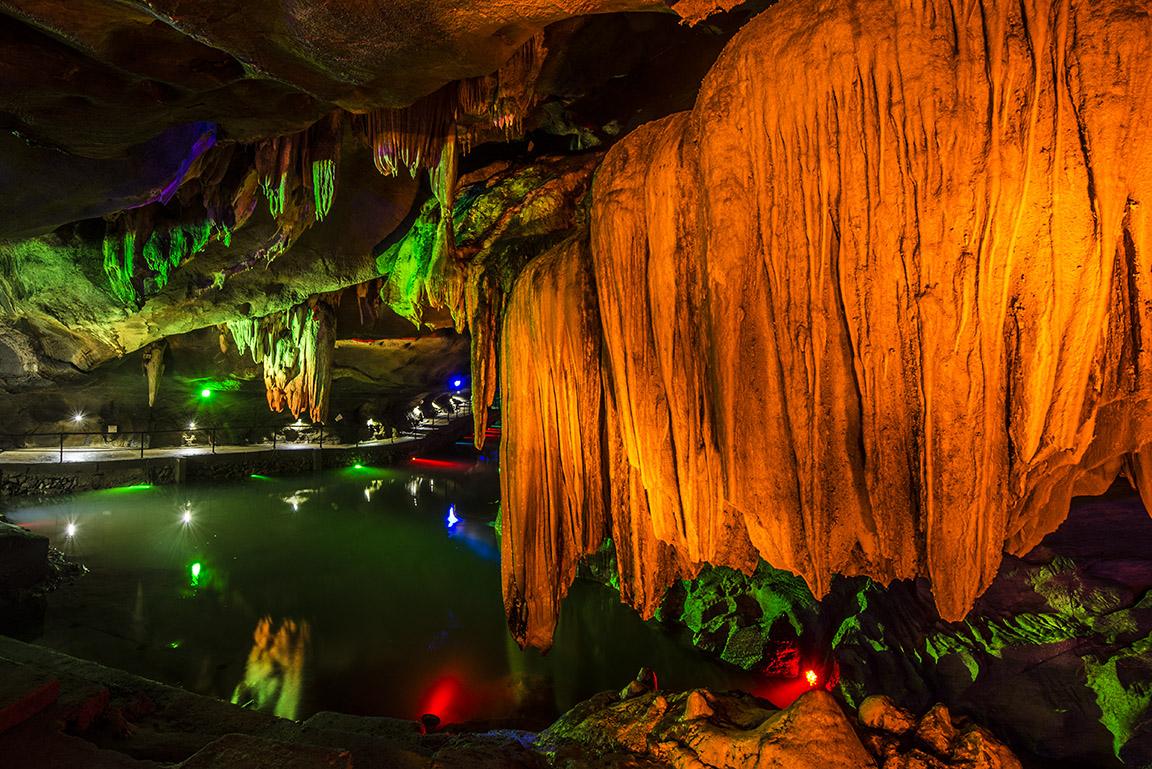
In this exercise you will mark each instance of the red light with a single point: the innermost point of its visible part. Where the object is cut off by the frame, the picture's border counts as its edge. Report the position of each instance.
(443, 698)
(438, 464)
(811, 677)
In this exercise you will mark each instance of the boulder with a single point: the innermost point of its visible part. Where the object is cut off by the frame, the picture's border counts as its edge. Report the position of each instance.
(23, 558)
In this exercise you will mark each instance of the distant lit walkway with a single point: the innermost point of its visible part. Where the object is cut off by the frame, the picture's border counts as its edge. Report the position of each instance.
(56, 455)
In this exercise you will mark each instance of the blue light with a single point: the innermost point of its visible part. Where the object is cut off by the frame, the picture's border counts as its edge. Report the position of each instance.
(452, 519)
(457, 383)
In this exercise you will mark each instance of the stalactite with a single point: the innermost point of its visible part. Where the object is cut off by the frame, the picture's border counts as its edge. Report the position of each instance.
(119, 266)
(550, 368)
(297, 175)
(500, 221)
(409, 138)
(323, 186)
(412, 138)
(445, 280)
(295, 347)
(504, 98)
(165, 247)
(860, 323)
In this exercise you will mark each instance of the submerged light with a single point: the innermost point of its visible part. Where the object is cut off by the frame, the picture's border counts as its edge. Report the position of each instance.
(810, 677)
(452, 519)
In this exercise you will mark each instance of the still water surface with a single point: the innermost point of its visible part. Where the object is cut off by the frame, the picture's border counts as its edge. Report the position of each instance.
(346, 590)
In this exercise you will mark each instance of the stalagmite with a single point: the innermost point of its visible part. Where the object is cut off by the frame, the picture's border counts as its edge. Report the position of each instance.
(153, 361)
(874, 306)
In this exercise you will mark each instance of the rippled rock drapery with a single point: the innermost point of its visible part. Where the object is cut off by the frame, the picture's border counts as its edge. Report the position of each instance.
(875, 305)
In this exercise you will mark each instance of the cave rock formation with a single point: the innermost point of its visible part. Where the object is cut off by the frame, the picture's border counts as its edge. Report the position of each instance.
(874, 306)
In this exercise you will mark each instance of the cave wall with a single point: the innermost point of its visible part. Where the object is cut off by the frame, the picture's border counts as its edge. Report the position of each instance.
(874, 306)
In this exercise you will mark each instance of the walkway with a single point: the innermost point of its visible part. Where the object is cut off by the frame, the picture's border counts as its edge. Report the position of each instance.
(65, 453)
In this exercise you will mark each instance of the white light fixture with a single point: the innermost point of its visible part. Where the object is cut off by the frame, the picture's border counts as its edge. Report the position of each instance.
(70, 530)
(191, 425)
(78, 417)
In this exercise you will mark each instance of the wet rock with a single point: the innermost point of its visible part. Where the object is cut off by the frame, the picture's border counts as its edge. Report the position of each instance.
(879, 712)
(737, 731)
(936, 730)
(645, 681)
(697, 706)
(240, 751)
(976, 748)
(915, 759)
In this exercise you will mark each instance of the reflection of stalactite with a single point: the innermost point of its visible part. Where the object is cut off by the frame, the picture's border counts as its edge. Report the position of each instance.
(274, 674)
(153, 361)
(296, 348)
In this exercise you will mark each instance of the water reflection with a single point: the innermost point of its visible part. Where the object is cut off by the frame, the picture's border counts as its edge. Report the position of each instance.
(274, 676)
(403, 612)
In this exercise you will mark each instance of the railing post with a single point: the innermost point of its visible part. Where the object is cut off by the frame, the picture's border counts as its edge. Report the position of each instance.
(273, 439)
(142, 436)
(321, 435)
(61, 448)
(212, 438)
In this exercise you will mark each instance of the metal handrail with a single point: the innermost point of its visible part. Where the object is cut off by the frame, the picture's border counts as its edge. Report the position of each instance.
(212, 444)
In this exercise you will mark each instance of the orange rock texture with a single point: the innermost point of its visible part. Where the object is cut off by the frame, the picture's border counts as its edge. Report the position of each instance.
(874, 306)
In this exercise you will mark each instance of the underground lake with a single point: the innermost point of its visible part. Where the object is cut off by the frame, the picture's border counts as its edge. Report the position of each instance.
(364, 590)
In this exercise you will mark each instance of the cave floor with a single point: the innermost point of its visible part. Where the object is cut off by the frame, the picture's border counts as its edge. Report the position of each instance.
(60, 711)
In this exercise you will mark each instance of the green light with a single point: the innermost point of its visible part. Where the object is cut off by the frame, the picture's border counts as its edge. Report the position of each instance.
(258, 477)
(205, 393)
(196, 570)
(123, 489)
(358, 466)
